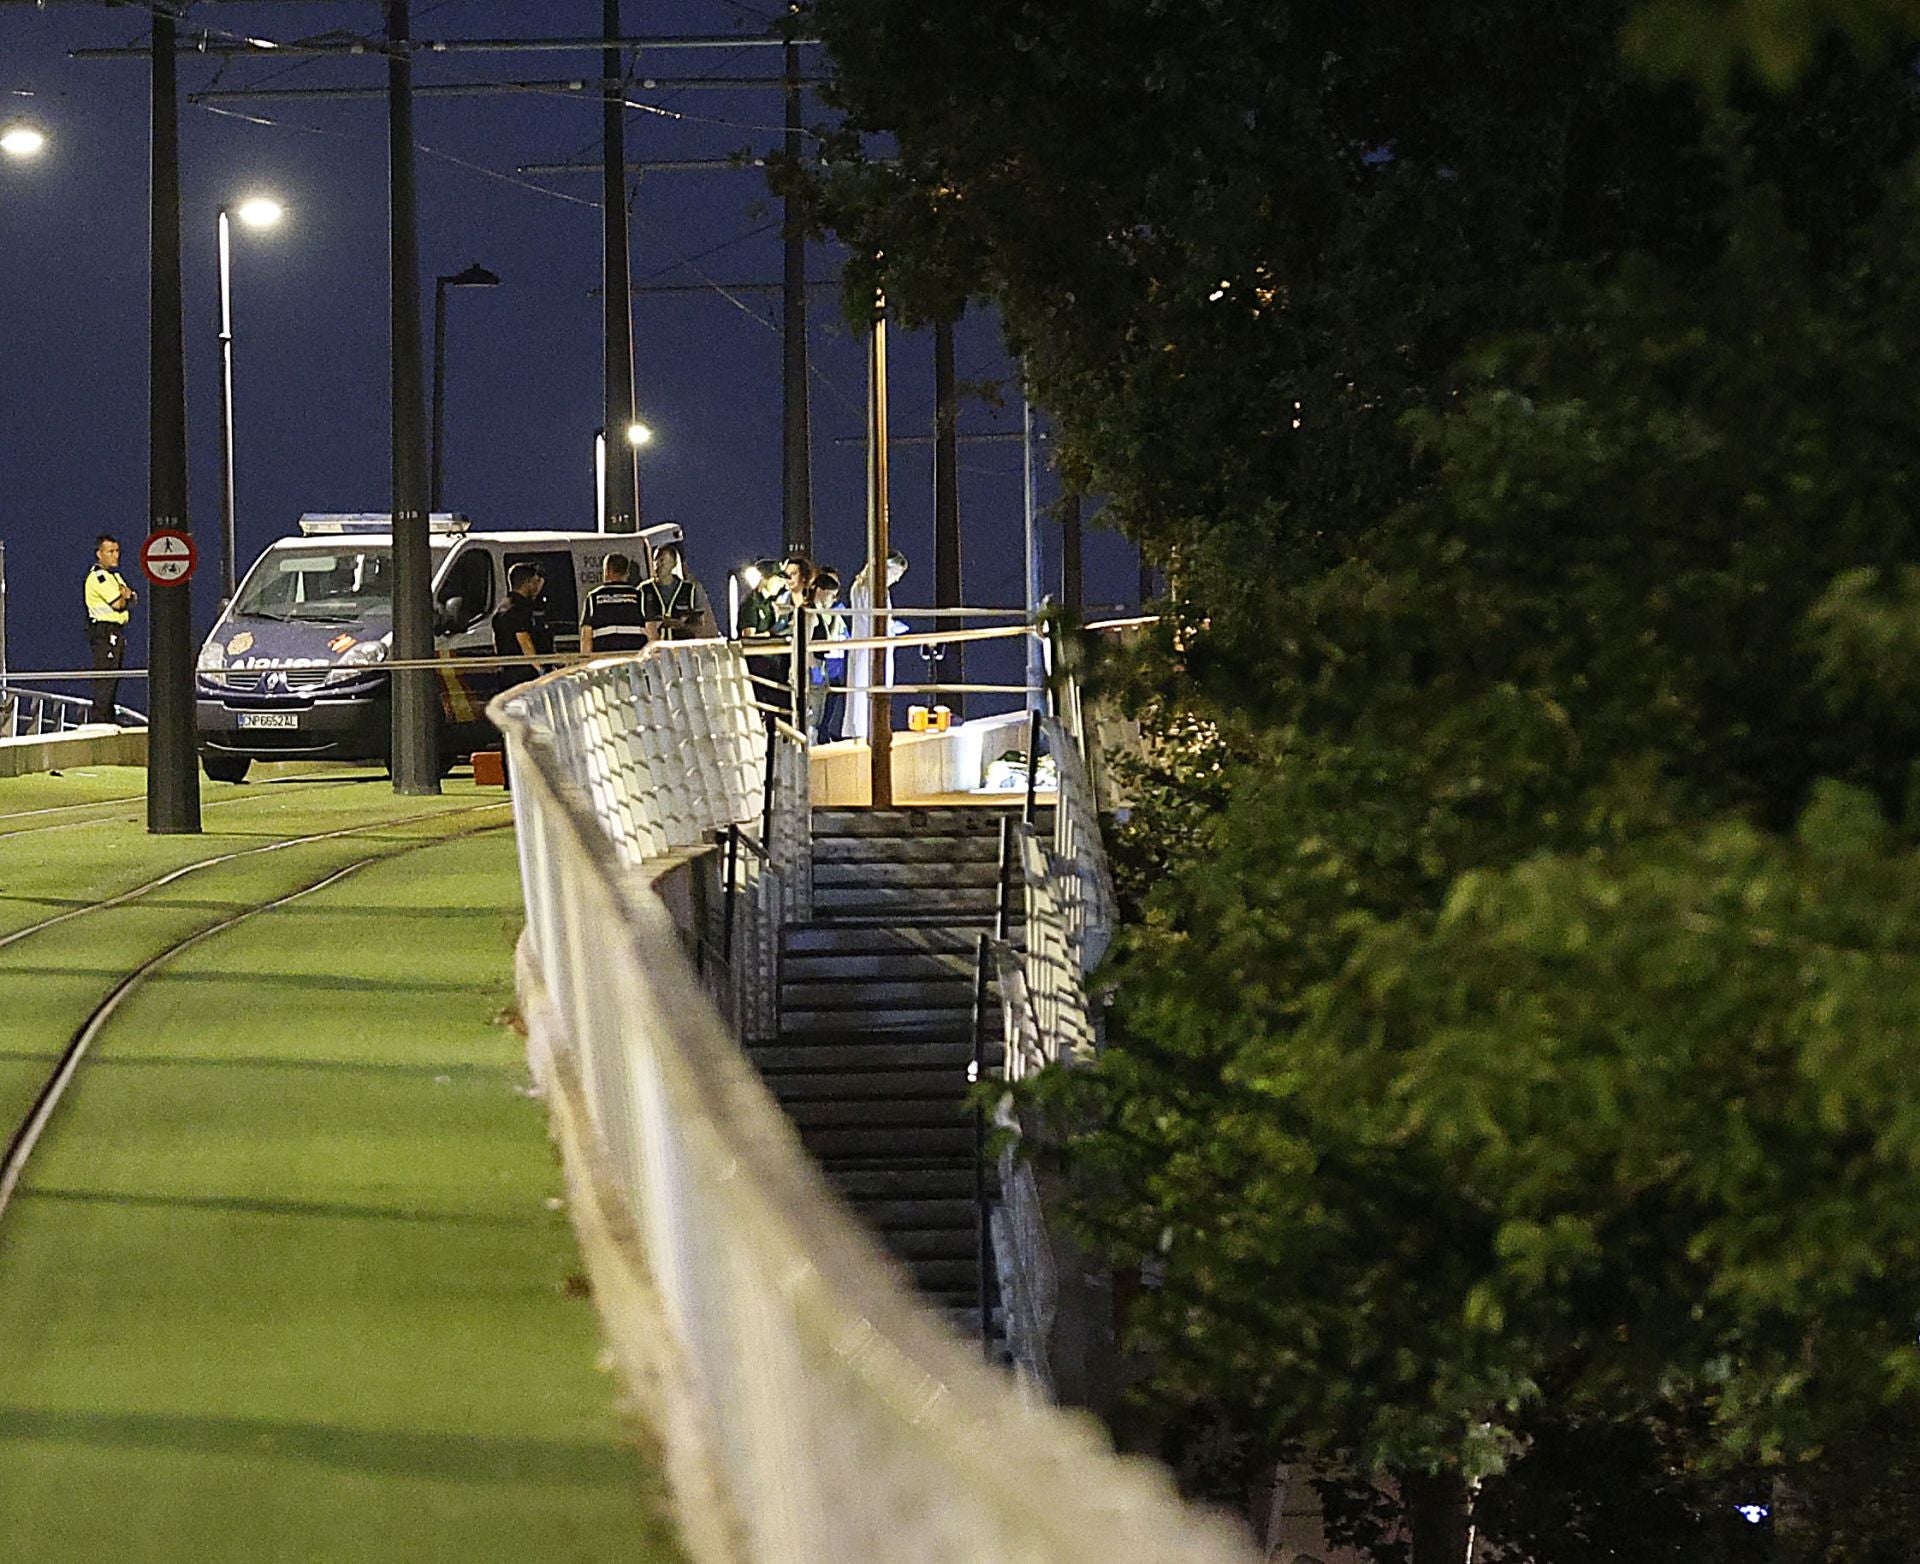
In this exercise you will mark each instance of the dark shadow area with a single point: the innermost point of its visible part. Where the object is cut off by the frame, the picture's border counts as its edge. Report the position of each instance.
(251, 1205)
(338, 909)
(110, 1061)
(335, 982)
(461, 1458)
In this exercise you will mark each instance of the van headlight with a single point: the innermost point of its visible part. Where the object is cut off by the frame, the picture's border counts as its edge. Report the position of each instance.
(356, 657)
(213, 662)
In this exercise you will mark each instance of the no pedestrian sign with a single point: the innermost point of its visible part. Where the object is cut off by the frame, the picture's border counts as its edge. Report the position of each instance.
(168, 557)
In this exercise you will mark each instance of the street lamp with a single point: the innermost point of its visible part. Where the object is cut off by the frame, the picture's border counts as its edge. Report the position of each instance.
(639, 434)
(475, 276)
(257, 211)
(21, 139)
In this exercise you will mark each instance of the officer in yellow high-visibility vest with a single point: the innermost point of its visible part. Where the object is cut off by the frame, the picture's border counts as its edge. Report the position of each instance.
(108, 601)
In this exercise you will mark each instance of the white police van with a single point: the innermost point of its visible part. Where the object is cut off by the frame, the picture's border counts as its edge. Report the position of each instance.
(291, 670)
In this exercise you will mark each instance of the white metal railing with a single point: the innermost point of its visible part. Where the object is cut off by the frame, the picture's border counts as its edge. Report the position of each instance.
(802, 1388)
(29, 713)
(1048, 1019)
(1071, 913)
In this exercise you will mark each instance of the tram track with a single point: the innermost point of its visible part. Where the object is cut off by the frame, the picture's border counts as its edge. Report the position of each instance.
(256, 797)
(61, 809)
(172, 876)
(65, 1066)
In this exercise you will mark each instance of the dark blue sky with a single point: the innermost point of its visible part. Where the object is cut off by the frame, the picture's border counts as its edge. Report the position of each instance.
(310, 303)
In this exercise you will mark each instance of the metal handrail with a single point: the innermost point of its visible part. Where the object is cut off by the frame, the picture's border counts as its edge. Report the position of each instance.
(806, 1390)
(26, 713)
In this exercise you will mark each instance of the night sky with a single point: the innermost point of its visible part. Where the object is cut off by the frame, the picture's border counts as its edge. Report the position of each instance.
(524, 378)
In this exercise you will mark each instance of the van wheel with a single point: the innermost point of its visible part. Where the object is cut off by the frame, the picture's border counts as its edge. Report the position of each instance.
(227, 768)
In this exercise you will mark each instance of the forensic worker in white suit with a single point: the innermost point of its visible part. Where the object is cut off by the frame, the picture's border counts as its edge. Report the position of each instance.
(860, 660)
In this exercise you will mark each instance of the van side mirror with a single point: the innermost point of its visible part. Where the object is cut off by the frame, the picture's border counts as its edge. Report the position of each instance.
(450, 614)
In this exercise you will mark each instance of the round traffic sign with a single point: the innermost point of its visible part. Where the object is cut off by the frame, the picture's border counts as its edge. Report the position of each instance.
(168, 557)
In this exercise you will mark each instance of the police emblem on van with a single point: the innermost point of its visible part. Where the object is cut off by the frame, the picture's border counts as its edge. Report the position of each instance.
(240, 643)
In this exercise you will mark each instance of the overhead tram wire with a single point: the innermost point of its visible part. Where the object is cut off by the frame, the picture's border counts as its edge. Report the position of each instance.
(569, 87)
(419, 146)
(243, 44)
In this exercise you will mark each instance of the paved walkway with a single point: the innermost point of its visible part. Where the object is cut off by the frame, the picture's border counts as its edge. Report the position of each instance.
(286, 1278)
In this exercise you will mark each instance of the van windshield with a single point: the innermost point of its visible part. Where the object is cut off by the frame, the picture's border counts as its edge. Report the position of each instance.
(337, 583)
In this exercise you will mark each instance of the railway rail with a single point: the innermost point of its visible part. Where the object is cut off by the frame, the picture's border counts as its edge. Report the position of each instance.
(109, 807)
(25, 1132)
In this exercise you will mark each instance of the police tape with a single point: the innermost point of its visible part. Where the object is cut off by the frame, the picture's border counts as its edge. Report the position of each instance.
(752, 647)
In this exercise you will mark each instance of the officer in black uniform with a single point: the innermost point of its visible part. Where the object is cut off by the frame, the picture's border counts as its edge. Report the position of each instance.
(518, 626)
(612, 620)
(109, 600)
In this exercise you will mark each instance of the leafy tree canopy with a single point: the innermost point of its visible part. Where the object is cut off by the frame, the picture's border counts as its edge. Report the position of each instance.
(1510, 1031)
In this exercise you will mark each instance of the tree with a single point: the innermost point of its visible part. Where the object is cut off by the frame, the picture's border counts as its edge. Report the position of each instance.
(1567, 416)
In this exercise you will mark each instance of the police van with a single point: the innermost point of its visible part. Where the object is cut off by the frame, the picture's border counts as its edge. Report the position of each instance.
(292, 669)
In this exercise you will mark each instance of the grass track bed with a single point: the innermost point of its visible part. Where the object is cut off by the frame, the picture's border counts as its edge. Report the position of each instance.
(281, 1281)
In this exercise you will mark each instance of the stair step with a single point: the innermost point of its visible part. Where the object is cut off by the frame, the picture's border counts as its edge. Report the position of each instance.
(933, 874)
(895, 1143)
(931, 895)
(871, 1051)
(972, 848)
(967, 821)
(805, 969)
(860, 939)
(933, 1212)
(935, 1112)
(934, 1020)
(795, 1086)
(942, 991)
(903, 916)
(960, 1276)
(918, 1247)
(951, 1180)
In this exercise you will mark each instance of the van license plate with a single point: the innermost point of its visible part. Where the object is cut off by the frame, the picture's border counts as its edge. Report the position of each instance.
(269, 719)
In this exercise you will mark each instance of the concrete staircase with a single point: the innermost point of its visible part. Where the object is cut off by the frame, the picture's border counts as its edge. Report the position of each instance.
(876, 1028)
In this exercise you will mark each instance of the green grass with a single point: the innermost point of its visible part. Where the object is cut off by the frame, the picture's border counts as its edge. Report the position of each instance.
(283, 1281)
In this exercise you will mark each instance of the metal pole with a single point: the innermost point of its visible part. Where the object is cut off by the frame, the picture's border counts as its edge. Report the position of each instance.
(796, 435)
(982, 1214)
(623, 466)
(436, 487)
(946, 500)
(879, 545)
(173, 776)
(228, 567)
(1033, 766)
(3, 616)
(1036, 657)
(600, 481)
(1072, 571)
(416, 691)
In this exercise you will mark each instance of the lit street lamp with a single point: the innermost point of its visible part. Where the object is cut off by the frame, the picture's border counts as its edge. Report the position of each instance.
(638, 435)
(257, 211)
(21, 139)
(475, 276)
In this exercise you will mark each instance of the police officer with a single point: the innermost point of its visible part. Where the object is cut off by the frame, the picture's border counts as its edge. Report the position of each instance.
(673, 606)
(518, 626)
(611, 620)
(109, 600)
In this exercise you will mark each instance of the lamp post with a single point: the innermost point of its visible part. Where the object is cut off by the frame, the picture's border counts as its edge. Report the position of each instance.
(639, 436)
(256, 212)
(599, 480)
(475, 276)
